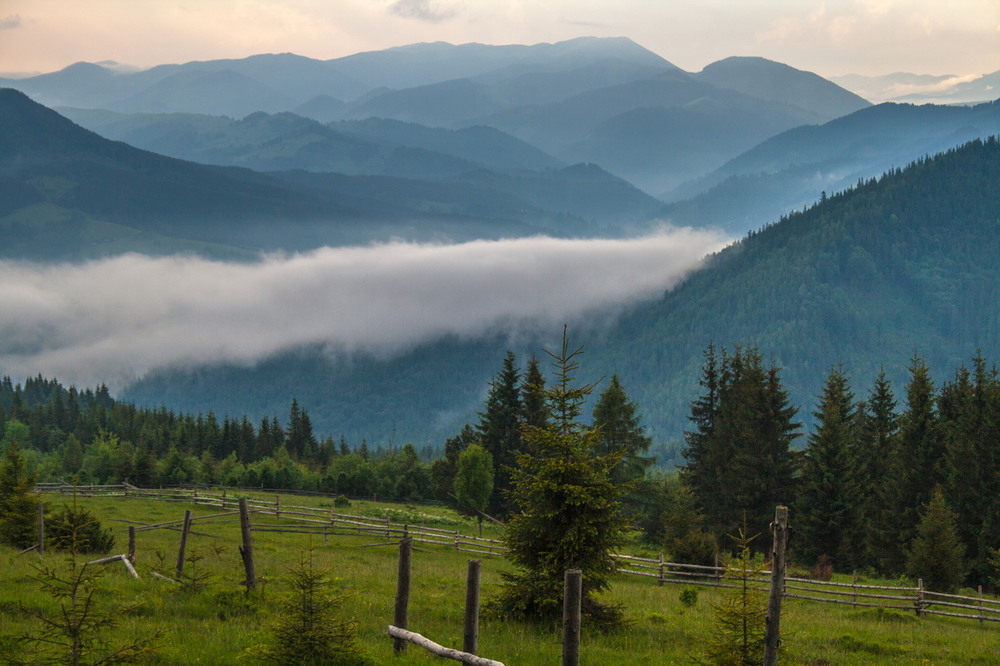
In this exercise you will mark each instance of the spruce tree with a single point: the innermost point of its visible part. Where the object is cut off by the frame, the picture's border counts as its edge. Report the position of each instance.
(915, 466)
(826, 504)
(308, 630)
(870, 455)
(536, 412)
(18, 509)
(969, 409)
(620, 430)
(936, 553)
(738, 457)
(569, 511)
(499, 430)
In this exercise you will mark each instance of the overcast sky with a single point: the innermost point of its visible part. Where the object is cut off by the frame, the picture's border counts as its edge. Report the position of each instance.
(112, 320)
(831, 37)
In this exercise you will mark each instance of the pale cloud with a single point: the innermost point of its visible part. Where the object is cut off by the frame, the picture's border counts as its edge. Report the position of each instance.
(10, 22)
(424, 10)
(112, 320)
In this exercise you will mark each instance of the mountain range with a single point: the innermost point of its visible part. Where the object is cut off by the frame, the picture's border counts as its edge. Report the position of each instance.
(97, 197)
(605, 101)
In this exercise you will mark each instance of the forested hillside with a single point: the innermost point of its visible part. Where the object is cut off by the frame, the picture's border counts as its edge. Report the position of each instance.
(898, 265)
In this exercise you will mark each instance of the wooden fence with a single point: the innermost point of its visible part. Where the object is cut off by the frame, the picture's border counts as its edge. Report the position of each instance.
(303, 519)
(890, 597)
(327, 523)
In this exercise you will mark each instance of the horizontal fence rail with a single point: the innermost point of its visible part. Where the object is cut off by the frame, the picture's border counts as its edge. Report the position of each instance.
(326, 522)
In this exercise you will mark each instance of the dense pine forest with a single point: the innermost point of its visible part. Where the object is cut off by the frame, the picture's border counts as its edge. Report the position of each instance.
(873, 485)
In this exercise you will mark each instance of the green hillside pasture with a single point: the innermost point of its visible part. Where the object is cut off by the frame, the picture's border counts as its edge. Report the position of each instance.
(216, 624)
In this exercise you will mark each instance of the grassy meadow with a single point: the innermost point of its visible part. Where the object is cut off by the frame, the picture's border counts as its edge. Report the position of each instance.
(214, 622)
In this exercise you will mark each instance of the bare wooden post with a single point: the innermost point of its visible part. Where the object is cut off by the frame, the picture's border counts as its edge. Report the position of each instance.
(572, 597)
(403, 591)
(659, 578)
(131, 544)
(41, 529)
(772, 629)
(184, 535)
(854, 588)
(470, 641)
(277, 506)
(980, 605)
(246, 550)
(920, 596)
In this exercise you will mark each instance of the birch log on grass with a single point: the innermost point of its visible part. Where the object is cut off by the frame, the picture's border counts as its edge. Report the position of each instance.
(440, 650)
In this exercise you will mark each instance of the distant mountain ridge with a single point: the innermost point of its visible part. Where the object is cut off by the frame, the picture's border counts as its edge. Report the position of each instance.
(67, 193)
(793, 169)
(583, 100)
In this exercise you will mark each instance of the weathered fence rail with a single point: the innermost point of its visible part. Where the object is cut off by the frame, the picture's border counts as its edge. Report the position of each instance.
(326, 522)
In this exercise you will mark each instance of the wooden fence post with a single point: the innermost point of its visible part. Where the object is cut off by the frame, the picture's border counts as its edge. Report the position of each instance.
(131, 544)
(184, 535)
(572, 597)
(403, 591)
(920, 597)
(980, 605)
(246, 550)
(277, 506)
(470, 640)
(854, 588)
(659, 578)
(41, 529)
(772, 630)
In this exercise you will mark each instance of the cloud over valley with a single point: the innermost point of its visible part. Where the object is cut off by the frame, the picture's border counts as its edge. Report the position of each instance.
(114, 319)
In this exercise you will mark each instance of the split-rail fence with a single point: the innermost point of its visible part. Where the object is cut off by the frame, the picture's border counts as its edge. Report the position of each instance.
(327, 523)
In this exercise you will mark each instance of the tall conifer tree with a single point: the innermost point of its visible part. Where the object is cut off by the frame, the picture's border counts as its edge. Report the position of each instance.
(738, 455)
(499, 430)
(826, 506)
(569, 510)
(915, 466)
(619, 429)
(870, 455)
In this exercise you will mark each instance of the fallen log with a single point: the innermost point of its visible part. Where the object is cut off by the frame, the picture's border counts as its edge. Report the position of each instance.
(440, 650)
(123, 558)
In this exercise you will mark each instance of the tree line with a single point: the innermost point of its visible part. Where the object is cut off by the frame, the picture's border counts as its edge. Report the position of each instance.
(879, 486)
(875, 486)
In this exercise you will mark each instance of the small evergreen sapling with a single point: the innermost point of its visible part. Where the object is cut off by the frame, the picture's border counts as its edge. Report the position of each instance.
(936, 554)
(569, 512)
(307, 629)
(737, 639)
(76, 633)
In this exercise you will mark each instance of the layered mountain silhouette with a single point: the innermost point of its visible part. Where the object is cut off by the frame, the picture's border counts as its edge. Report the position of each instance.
(604, 101)
(69, 193)
(795, 168)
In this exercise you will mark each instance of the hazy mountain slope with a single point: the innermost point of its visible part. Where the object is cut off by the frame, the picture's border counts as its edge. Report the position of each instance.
(895, 267)
(422, 64)
(777, 82)
(288, 81)
(267, 142)
(792, 169)
(45, 158)
(600, 100)
(900, 266)
(379, 147)
(480, 144)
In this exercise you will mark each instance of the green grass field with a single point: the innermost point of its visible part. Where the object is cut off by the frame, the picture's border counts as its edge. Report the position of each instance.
(214, 624)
